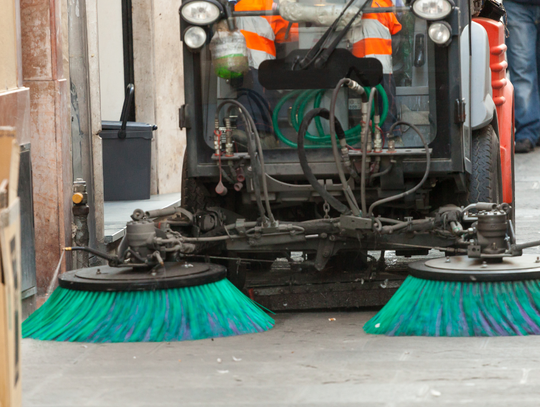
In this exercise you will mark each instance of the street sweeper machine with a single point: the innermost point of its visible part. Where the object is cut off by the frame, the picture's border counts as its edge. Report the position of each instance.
(320, 135)
(320, 132)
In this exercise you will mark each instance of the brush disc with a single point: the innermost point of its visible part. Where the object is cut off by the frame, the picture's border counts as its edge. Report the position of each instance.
(128, 305)
(453, 308)
(465, 269)
(172, 275)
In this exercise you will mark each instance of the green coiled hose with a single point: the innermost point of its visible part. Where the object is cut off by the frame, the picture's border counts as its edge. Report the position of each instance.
(321, 140)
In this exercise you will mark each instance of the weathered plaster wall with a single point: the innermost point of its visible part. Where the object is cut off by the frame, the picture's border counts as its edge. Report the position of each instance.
(159, 84)
(8, 45)
(42, 60)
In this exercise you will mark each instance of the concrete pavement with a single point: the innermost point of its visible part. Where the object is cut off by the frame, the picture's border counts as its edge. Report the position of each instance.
(306, 360)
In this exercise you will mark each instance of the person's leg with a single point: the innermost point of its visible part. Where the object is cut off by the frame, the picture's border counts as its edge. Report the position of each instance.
(522, 49)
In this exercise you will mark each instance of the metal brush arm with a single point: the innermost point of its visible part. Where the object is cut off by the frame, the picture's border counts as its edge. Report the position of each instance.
(108, 257)
(114, 261)
(526, 245)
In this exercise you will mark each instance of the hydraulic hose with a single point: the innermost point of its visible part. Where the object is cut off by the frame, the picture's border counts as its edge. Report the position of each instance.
(304, 162)
(351, 134)
(252, 130)
(383, 172)
(275, 116)
(365, 134)
(346, 188)
(323, 140)
(424, 178)
(355, 131)
(255, 167)
(260, 102)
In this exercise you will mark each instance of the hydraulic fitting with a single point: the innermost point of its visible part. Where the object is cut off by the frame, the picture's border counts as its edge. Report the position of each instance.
(345, 158)
(377, 143)
(228, 138)
(355, 86)
(391, 145)
(217, 142)
(365, 128)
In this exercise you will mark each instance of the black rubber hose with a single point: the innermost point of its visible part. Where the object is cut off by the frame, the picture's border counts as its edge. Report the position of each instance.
(325, 114)
(351, 200)
(263, 108)
(256, 170)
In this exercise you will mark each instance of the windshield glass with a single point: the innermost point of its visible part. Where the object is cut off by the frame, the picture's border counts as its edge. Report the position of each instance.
(397, 39)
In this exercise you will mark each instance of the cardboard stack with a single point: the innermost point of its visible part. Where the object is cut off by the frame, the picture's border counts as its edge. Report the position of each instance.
(10, 271)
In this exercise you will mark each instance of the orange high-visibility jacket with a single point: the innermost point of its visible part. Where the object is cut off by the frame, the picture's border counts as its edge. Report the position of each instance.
(373, 38)
(261, 32)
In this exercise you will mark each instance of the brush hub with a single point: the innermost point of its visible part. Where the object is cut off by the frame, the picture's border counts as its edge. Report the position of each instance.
(466, 269)
(173, 275)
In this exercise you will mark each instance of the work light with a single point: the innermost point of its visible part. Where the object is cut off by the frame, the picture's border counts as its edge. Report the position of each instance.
(195, 37)
(440, 32)
(201, 12)
(432, 9)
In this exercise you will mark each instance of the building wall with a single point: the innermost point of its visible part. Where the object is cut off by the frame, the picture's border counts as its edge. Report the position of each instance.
(8, 46)
(15, 109)
(111, 58)
(159, 85)
(14, 97)
(42, 72)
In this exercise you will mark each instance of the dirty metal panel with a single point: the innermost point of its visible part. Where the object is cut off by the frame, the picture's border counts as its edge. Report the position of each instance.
(327, 296)
(282, 291)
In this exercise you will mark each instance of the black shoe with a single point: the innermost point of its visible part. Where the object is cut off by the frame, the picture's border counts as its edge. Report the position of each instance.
(524, 146)
(538, 142)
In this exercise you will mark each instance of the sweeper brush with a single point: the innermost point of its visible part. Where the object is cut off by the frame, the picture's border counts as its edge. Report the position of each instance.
(474, 305)
(493, 291)
(141, 298)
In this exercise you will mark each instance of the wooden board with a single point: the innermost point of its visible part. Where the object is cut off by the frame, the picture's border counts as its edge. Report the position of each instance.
(9, 161)
(10, 272)
(10, 307)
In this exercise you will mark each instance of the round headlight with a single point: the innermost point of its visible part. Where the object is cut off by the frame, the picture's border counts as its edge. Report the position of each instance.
(440, 32)
(200, 12)
(432, 9)
(195, 37)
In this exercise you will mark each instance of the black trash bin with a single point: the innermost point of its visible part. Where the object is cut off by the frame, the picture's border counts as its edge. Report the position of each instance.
(126, 148)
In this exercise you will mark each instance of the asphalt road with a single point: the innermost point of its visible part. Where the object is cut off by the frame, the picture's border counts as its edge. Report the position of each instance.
(306, 360)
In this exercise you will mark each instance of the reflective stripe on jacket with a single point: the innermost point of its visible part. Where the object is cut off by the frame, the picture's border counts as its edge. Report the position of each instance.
(262, 32)
(278, 24)
(373, 38)
(258, 32)
(259, 39)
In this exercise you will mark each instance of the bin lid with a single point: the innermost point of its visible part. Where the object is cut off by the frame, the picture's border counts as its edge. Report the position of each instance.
(133, 129)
